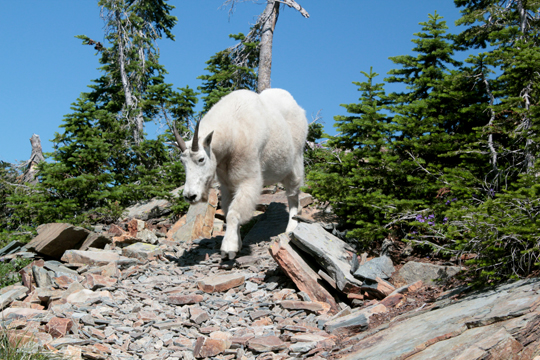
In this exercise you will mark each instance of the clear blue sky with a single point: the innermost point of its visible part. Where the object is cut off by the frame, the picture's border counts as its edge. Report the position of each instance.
(45, 68)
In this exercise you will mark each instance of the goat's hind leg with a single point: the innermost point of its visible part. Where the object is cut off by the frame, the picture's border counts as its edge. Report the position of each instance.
(292, 185)
(239, 212)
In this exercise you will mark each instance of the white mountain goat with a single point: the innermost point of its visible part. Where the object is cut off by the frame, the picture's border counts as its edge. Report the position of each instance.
(248, 140)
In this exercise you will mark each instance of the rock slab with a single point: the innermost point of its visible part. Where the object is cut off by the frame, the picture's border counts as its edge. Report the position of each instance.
(221, 283)
(381, 267)
(501, 323)
(430, 274)
(199, 221)
(55, 238)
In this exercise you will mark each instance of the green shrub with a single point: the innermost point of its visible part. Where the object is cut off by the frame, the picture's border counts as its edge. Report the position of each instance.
(9, 271)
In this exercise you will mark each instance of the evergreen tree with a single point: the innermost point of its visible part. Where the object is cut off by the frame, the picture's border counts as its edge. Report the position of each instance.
(435, 120)
(392, 169)
(133, 27)
(359, 175)
(230, 69)
(425, 112)
(11, 228)
(499, 221)
(506, 74)
(101, 161)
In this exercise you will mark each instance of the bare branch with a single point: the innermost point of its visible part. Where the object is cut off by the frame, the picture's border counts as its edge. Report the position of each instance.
(294, 4)
(490, 123)
(426, 170)
(232, 4)
(318, 117)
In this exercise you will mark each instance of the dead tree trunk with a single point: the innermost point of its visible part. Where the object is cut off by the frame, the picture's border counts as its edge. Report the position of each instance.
(269, 20)
(36, 157)
(131, 111)
(265, 26)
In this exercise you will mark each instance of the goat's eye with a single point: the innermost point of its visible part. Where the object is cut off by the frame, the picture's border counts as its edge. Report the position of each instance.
(201, 160)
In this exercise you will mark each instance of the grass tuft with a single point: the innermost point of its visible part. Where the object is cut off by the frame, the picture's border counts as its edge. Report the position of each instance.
(18, 345)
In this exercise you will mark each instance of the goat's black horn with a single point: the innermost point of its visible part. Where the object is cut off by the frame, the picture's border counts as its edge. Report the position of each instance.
(179, 141)
(195, 142)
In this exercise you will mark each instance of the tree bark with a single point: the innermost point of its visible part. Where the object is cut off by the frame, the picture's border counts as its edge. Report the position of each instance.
(267, 24)
(137, 121)
(269, 20)
(36, 157)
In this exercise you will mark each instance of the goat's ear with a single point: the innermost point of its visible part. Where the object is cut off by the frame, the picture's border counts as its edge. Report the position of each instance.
(208, 140)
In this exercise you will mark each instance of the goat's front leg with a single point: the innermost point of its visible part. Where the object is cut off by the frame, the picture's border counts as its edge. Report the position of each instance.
(239, 212)
(225, 198)
(294, 202)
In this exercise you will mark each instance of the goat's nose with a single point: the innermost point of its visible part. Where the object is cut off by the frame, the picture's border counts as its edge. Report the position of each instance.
(190, 198)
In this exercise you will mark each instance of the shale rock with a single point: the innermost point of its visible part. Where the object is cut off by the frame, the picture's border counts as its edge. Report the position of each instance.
(381, 267)
(55, 238)
(430, 274)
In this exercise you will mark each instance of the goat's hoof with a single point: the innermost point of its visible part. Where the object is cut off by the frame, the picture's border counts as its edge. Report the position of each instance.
(228, 254)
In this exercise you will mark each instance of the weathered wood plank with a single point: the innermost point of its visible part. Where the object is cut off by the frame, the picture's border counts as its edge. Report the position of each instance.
(300, 273)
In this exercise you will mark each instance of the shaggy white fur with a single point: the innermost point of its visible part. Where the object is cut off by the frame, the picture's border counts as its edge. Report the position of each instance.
(249, 141)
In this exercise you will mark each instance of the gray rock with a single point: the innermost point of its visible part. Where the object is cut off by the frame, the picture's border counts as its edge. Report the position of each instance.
(354, 322)
(381, 267)
(151, 209)
(55, 238)
(93, 258)
(478, 325)
(42, 277)
(251, 287)
(65, 341)
(302, 347)
(142, 251)
(16, 313)
(95, 240)
(430, 274)
(155, 310)
(147, 236)
(11, 248)
(11, 293)
(59, 270)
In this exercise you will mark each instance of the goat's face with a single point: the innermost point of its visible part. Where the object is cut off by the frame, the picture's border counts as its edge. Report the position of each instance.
(200, 165)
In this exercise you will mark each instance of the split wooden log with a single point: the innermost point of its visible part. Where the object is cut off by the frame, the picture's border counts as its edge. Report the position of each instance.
(332, 254)
(300, 272)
